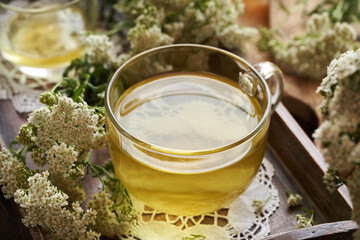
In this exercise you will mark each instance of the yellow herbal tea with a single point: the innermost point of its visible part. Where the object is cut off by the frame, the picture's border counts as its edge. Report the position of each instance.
(44, 40)
(184, 113)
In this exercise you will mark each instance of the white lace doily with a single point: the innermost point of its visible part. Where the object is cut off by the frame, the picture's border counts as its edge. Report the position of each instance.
(23, 91)
(239, 221)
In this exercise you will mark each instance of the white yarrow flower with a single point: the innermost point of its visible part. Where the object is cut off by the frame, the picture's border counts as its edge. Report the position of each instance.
(47, 207)
(8, 165)
(68, 122)
(100, 49)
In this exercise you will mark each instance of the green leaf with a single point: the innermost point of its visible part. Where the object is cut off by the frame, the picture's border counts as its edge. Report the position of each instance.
(69, 82)
(122, 25)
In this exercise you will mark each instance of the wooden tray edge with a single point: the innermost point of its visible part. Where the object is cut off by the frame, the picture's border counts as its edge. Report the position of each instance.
(336, 230)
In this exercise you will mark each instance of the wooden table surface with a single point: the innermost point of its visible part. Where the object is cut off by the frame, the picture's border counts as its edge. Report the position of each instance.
(299, 98)
(11, 227)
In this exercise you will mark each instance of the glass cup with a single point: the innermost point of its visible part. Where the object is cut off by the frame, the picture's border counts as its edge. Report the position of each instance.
(41, 37)
(187, 125)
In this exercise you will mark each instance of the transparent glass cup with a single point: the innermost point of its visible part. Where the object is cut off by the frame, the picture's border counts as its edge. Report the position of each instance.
(41, 37)
(188, 181)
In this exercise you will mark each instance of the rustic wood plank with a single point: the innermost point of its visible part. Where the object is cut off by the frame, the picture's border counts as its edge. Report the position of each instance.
(10, 122)
(283, 219)
(342, 230)
(11, 226)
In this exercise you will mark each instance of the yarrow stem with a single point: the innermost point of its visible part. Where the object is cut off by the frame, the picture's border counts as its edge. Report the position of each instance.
(303, 221)
(126, 200)
(99, 171)
(260, 204)
(18, 154)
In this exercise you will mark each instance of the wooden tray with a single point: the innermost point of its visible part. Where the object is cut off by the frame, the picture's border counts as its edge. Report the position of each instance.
(299, 168)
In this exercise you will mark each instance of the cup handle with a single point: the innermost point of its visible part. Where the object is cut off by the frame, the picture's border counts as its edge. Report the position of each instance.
(274, 77)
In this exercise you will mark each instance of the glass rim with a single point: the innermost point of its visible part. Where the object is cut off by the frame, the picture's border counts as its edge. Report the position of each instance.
(42, 9)
(166, 150)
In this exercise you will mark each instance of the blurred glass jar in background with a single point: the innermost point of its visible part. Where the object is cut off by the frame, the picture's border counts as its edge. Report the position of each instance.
(42, 37)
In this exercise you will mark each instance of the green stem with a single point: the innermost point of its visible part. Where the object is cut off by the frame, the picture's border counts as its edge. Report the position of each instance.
(338, 13)
(115, 206)
(81, 99)
(98, 171)
(117, 190)
(98, 176)
(267, 199)
(125, 194)
(312, 213)
(56, 87)
(311, 219)
(26, 151)
(93, 169)
(106, 173)
(118, 27)
(18, 153)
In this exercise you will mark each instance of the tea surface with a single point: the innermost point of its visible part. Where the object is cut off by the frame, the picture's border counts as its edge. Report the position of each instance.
(187, 112)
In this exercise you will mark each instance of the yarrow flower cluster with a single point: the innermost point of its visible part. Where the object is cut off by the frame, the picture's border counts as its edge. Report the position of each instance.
(107, 221)
(260, 204)
(310, 54)
(101, 50)
(208, 22)
(143, 38)
(333, 180)
(59, 138)
(64, 173)
(294, 199)
(156, 23)
(61, 122)
(339, 134)
(302, 221)
(8, 165)
(47, 207)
